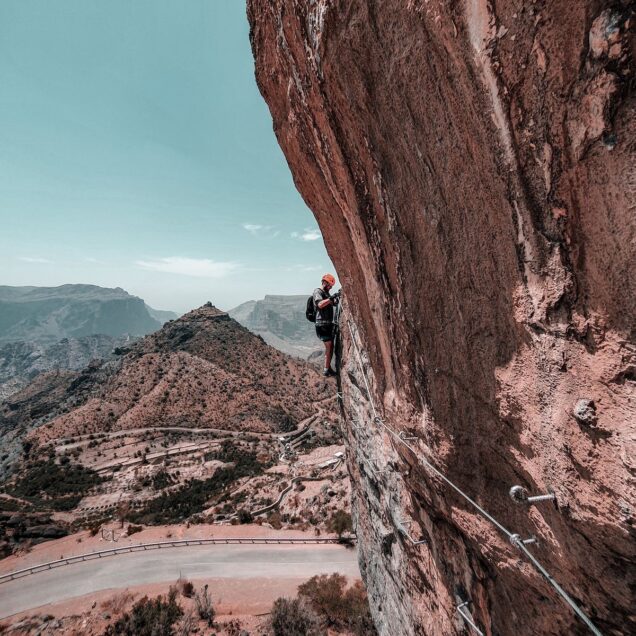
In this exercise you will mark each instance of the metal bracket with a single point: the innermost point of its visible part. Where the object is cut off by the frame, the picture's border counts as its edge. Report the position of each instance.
(465, 614)
(520, 495)
(405, 438)
(516, 539)
(401, 527)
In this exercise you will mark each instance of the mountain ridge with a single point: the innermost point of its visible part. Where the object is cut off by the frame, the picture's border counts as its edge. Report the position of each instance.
(280, 320)
(73, 311)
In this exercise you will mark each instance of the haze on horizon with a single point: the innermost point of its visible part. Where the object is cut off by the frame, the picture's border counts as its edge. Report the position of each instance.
(137, 152)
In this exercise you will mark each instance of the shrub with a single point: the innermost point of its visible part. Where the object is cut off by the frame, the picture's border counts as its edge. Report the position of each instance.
(192, 497)
(245, 516)
(147, 617)
(134, 529)
(340, 523)
(185, 587)
(359, 619)
(205, 608)
(64, 504)
(161, 480)
(294, 617)
(115, 604)
(343, 609)
(46, 478)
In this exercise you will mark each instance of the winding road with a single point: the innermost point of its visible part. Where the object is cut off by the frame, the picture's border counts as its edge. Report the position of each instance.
(193, 562)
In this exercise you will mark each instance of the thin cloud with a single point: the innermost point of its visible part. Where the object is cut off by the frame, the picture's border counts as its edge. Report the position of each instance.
(309, 234)
(304, 268)
(34, 259)
(197, 267)
(264, 231)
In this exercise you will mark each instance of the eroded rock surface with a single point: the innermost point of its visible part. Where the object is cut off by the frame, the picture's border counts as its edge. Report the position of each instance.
(471, 167)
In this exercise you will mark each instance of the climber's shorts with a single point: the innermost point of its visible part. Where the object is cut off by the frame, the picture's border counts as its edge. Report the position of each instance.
(325, 332)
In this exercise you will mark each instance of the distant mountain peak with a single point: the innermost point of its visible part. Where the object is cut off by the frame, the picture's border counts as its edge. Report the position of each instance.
(280, 321)
(48, 314)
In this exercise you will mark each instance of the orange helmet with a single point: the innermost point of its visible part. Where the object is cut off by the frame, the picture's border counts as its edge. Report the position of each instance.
(330, 279)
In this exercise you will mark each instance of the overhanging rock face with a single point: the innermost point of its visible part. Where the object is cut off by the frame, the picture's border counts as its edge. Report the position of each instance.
(471, 167)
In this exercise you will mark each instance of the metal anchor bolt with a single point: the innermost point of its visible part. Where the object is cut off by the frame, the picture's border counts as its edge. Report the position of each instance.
(516, 540)
(404, 437)
(520, 495)
(405, 532)
(465, 614)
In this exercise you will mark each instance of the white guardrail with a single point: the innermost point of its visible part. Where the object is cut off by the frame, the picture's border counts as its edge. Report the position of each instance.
(140, 547)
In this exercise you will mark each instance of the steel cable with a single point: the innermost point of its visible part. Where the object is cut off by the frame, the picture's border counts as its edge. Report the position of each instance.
(512, 537)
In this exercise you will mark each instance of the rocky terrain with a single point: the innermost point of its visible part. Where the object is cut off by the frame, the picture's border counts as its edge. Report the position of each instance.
(200, 421)
(471, 168)
(21, 361)
(281, 322)
(49, 314)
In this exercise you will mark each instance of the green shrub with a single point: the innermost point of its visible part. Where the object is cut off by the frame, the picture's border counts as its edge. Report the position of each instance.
(161, 480)
(193, 496)
(64, 504)
(245, 516)
(340, 523)
(60, 487)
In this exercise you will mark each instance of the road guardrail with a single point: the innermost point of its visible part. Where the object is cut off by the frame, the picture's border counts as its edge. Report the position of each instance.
(141, 547)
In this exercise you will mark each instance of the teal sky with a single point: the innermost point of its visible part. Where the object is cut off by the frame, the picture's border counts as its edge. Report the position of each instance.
(137, 152)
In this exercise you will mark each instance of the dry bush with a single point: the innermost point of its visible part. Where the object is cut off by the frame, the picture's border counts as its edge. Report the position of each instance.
(185, 587)
(205, 608)
(274, 519)
(186, 625)
(115, 604)
(233, 627)
(294, 617)
(148, 617)
(341, 608)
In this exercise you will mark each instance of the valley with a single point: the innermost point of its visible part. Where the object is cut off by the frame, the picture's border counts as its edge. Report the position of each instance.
(200, 422)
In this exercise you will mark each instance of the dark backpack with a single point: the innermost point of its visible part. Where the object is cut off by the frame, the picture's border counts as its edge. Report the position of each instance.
(310, 312)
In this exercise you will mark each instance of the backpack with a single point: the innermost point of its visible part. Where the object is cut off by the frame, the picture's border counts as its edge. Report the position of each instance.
(310, 312)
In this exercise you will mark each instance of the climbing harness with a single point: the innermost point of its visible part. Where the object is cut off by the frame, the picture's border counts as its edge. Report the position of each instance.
(514, 539)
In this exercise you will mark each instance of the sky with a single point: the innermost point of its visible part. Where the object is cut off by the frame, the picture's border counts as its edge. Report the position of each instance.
(137, 152)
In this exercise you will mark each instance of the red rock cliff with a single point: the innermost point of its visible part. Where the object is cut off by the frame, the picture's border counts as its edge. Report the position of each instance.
(471, 167)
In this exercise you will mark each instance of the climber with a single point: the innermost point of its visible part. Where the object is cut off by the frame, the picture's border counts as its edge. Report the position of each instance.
(324, 304)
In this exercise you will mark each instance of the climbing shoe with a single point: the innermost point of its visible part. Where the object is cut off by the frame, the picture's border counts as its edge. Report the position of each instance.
(329, 373)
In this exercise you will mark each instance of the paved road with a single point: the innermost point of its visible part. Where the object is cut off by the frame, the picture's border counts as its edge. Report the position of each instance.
(194, 562)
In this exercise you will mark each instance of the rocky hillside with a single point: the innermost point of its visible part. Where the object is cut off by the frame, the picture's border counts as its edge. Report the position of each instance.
(281, 322)
(183, 424)
(73, 311)
(21, 361)
(471, 167)
(203, 370)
